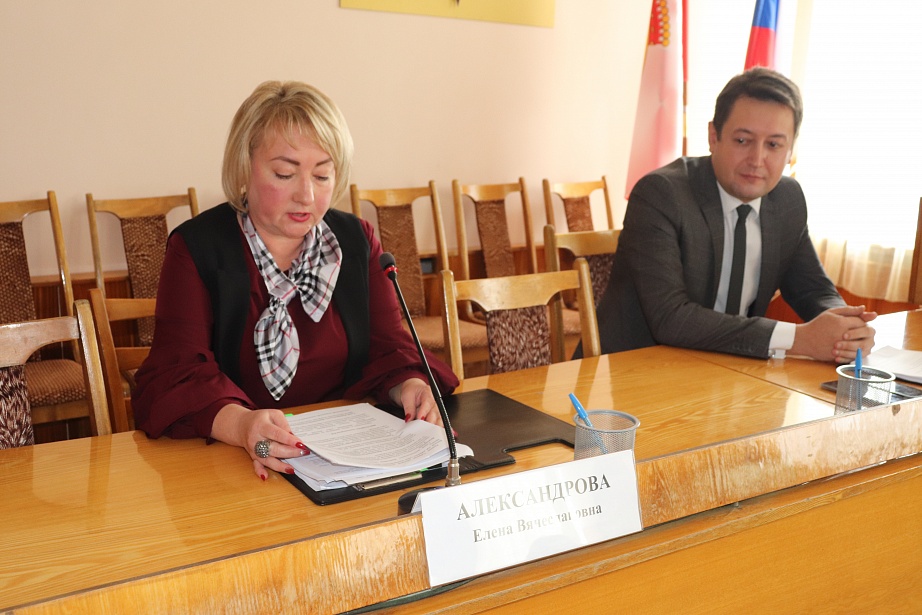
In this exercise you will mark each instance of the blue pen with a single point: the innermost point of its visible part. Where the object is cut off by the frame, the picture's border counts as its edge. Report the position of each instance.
(584, 417)
(580, 411)
(857, 373)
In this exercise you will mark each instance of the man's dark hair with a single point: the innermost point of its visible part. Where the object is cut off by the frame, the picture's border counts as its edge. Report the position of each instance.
(761, 84)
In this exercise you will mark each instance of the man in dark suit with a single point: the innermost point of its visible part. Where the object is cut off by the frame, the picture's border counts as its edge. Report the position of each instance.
(673, 280)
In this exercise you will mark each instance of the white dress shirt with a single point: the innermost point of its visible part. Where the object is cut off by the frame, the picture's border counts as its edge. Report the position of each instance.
(783, 334)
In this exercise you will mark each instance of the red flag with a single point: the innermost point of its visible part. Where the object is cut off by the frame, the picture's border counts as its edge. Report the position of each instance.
(761, 50)
(658, 126)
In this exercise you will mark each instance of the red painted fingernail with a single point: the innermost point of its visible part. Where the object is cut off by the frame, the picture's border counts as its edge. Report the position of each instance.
(263, 476)
(302, 446)
(406, 418)
(289, 470)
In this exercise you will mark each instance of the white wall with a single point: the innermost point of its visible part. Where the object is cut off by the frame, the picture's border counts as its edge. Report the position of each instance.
(124, 98)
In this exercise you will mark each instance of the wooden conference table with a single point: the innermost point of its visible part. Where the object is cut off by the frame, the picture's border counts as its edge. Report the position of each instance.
(748, 496)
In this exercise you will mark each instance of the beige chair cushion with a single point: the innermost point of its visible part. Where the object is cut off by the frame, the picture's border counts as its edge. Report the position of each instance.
(395, 223)
(54, 381)
(599, 271)
(432, 337)
(145, 247)
(571, 323)
(579, 213)
(493, 230)
(519, 338)
(16, 304)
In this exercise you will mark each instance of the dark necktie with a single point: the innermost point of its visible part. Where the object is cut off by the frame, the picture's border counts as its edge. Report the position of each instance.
(739, 261)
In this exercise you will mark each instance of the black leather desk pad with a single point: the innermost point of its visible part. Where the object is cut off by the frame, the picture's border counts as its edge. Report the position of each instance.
(489, 422)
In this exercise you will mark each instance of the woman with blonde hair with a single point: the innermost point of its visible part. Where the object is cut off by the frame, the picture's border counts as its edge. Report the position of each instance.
(274, 299)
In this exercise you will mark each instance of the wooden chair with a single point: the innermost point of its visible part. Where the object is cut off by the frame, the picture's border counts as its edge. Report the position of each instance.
(56, 386)
(915, 277)
(516, 310)
(394, 207)
(119, 362)
(20, 340)
(144, 235)
(489, 202)
(576, 203)
(598, 248)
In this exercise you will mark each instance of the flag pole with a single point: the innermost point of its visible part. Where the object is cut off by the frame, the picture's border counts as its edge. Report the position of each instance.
(685, 77)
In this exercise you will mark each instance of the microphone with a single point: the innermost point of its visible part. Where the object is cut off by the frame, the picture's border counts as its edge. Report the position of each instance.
(406, 501)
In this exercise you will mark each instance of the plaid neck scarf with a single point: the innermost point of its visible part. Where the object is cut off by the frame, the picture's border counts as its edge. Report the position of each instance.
(313, 276)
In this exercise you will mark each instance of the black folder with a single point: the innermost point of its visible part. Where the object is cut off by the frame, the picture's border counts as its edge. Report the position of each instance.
(489, 422)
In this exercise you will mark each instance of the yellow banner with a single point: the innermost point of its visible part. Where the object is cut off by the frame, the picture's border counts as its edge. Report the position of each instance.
(523, 12)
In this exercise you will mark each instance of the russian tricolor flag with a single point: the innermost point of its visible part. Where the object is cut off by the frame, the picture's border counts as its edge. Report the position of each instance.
(761, 50)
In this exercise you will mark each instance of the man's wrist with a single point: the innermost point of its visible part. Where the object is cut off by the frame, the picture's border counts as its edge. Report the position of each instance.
(782, 339)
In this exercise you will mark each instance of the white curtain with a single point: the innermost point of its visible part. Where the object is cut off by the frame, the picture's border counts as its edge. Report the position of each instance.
(867, 270)
(859, 155)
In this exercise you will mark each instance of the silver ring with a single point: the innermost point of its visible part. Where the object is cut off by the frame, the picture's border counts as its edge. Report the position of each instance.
(262, 449)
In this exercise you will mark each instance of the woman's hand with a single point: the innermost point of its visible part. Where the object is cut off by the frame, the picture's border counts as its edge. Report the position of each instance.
(415, 397)
(243, 427)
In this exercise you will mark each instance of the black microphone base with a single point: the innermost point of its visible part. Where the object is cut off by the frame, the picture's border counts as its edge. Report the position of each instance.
(406, 502)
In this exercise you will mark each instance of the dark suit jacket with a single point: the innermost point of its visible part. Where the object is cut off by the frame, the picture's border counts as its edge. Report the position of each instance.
(664, 278)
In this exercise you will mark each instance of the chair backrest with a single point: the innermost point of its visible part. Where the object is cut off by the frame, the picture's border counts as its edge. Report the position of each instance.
(576, 202)
(597, 247)
(119, 362)
(518, 328)
(20, 340)
(16, 300)
(492, 226)
(915, 278)
(394, 207)
(144, 235)
(17, 303)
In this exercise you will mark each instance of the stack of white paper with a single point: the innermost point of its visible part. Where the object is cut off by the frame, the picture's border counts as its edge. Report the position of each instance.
(359, 443)
(904, 364)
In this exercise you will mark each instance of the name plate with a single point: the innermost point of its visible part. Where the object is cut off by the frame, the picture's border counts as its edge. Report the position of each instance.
(499, 522)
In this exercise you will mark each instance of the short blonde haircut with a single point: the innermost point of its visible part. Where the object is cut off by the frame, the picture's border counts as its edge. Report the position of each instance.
(286, 108)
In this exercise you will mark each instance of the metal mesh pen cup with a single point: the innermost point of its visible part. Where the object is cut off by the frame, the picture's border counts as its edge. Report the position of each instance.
(873, 388)
(611, 431)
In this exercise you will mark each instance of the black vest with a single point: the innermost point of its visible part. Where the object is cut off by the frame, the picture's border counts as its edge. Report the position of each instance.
(214, 242)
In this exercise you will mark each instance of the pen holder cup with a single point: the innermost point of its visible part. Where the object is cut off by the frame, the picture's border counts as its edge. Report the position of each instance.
(873, 388)
(611, 431)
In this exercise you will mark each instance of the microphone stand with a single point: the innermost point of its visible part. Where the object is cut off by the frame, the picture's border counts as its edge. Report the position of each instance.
(453, 477)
